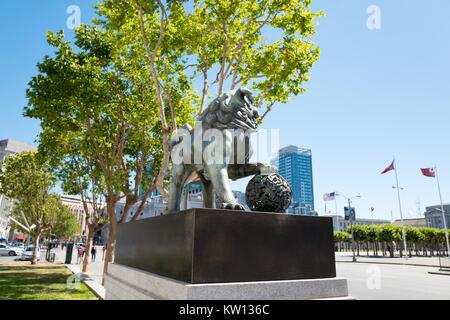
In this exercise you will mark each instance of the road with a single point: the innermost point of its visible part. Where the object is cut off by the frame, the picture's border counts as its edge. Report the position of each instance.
(393, 282)
(6, 259)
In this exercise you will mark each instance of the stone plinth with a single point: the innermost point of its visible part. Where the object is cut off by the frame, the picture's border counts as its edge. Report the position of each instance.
(200, 246)
(125, 283)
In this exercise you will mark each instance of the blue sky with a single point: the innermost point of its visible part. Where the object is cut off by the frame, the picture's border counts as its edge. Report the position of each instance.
(373, 94)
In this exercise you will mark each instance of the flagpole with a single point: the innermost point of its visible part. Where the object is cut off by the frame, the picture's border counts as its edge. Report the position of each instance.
(442, 210)
(336, 211)
(400, 207)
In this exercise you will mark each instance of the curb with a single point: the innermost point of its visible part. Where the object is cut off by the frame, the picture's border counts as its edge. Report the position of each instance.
(392, 263)
(442, 272)
(92, 285)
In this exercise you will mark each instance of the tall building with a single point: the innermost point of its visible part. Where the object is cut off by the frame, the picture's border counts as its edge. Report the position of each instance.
(295, 165)
(9, 147)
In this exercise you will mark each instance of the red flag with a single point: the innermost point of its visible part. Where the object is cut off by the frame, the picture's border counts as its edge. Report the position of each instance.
(428, 172)
(390, 168)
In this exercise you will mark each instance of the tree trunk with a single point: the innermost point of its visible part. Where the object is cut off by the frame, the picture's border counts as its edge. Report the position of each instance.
(111, 208)
(91, 228)
(34, 258)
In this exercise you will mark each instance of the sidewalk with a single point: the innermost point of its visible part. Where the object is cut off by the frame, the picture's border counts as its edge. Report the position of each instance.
(92, 284)
(414, 261)
(93, 279)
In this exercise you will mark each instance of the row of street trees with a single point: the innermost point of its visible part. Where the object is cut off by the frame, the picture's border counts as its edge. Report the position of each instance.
(28, 180)
(109, 102)
(388, 238)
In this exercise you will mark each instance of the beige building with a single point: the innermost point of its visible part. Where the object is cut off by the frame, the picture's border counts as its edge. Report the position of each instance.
(417, 222)
(75, 205)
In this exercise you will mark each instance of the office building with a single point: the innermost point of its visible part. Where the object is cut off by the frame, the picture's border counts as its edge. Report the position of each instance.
(295, 165)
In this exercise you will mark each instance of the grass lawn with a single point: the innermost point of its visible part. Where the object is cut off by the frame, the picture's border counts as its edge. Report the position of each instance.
(40, 282)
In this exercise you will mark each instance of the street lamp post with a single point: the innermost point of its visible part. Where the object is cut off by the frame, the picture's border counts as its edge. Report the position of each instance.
(349, 199)
(405, 256)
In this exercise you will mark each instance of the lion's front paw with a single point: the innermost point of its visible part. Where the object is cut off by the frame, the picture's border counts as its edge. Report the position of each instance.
(233, 206)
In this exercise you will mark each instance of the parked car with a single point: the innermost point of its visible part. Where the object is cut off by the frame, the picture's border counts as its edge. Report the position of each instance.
(10, 251)
(27, 254)
(19, 245)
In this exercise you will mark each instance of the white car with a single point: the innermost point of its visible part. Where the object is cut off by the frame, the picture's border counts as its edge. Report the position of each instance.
(27, 254)
(10, 251)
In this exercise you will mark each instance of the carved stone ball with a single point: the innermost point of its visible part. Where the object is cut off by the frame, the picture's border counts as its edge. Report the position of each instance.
(268, 193)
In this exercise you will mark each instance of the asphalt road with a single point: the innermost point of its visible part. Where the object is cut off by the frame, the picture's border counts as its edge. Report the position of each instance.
(5, 259)
(393, 282)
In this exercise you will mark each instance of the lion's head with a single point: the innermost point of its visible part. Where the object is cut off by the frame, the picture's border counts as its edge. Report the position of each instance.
(232, 110)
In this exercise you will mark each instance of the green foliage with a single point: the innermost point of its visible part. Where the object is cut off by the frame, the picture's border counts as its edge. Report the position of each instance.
(27, 180)
(23, 176)
(263, 44)
(97, 111)
(66, 224)
(393, 233)
(340, 236)
(414, 235)
(359, 232)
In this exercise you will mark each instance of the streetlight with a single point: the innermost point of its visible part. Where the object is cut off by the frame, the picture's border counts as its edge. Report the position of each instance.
(401, 218)
(349, 199)
(26, 228)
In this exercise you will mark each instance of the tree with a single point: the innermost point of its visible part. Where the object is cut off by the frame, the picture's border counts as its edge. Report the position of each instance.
(97, 111)
(371, 237)
(226, 38)
(359, 234)
(79, 176)
(130, 80)
(341, 236)
(66, 224)
(413, 236)
(28, 181)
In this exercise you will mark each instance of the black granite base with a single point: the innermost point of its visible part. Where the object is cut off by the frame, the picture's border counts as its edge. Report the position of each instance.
(213, 246)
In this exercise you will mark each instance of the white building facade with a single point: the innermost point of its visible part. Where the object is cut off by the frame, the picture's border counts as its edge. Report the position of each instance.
(343, 225)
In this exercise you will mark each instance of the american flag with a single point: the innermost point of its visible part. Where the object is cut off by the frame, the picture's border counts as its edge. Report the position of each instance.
(329, 196)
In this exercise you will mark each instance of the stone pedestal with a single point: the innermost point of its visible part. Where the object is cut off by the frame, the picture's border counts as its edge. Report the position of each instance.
(125, 283)
(224, 254)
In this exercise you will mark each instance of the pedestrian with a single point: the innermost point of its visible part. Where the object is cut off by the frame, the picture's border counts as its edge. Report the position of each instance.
(104, 251)
(80, 252)
(93, 253)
